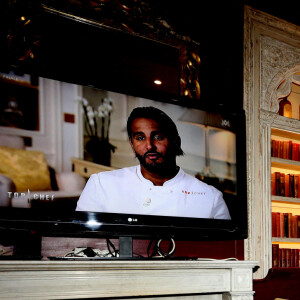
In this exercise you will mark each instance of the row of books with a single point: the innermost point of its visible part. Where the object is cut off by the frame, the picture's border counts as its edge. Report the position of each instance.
(284, 257)
(285, 150)
(285, 225)
(286, 185)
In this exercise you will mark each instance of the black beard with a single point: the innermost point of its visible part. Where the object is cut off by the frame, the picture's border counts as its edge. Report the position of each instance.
(159, 168)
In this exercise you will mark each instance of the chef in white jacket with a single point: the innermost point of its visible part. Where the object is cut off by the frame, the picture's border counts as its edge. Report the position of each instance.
(157, 186)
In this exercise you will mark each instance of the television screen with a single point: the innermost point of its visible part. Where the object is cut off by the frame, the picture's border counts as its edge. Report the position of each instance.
(124, 201)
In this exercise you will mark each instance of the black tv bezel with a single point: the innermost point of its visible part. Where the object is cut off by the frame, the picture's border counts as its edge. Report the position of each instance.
(109, 225)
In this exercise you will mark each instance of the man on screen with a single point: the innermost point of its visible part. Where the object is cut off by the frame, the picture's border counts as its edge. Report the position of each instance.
(157, 186)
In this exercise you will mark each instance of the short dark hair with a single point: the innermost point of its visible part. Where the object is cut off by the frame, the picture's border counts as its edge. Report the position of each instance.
(165, 123)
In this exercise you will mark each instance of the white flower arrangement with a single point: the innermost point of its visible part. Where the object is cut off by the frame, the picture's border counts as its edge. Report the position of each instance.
(97, 120)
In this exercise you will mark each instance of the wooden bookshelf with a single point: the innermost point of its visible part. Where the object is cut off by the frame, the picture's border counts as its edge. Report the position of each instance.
(285, 240)
(285, 199)
(281, 204)
(285, 134)
(285, 164)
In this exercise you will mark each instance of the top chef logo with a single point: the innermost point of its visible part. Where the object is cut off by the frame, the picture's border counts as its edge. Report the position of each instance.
(29, 196)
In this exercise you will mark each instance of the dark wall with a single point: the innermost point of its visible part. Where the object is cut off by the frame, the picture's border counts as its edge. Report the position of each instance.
(218, 27)
(212, 249)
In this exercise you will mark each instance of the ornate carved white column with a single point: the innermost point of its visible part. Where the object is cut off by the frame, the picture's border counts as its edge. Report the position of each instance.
(271, 64)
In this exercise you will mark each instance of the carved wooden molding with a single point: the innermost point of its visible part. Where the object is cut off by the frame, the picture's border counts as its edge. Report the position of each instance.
(284, 87)
(277, 121)
(271, 64)
(135, 17)
(278, 74)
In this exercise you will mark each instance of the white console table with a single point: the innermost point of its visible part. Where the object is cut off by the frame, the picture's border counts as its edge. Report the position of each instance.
(96, 279)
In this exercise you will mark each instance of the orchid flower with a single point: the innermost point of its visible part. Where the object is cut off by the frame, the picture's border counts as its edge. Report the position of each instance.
(97, 118)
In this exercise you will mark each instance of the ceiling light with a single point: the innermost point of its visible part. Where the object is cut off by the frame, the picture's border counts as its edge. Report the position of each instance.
(158, 82)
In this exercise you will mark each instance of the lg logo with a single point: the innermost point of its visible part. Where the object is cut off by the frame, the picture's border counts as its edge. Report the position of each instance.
(132, 220)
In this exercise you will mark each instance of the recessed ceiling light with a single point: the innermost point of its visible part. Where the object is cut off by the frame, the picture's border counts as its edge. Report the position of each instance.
(158, 82)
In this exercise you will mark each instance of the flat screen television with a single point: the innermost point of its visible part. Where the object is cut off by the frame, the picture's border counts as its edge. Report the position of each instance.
(214, 145)
(213, 139)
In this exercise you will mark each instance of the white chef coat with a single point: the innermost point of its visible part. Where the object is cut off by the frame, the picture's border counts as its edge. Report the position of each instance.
(127, 191)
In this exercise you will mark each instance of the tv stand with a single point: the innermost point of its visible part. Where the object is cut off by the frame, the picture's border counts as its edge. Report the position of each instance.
(230, 280)
(125, 247)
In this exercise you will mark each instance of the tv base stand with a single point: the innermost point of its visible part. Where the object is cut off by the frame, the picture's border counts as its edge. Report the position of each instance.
(216, 280)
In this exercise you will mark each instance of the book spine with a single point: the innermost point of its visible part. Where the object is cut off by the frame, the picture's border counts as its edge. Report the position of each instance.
(287, 185)
(278, 224)
(288, 258)
(275, 256)
(282, 184)
(277, 182)
(280, 150)
(286, 225)
(294, 151)
(291, 186)
(281, 225)
(283, 257)
(294, 226)
(274, 224)
(290, 150)
(285, 150)
(297, 155)
(273, 184)
(296, 186)
(274, 148)
(293, 258)
(290, 222)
